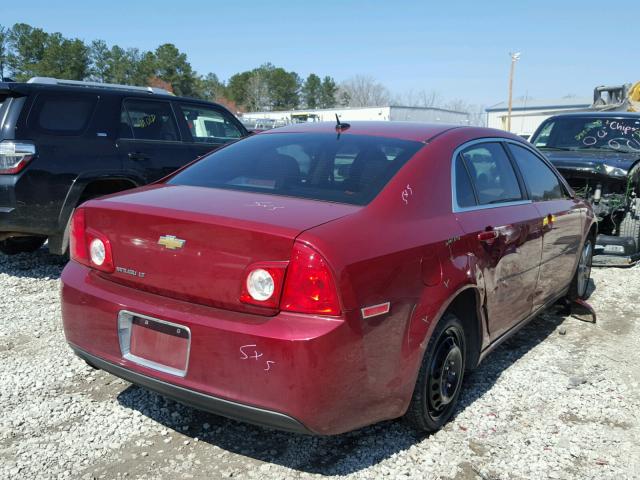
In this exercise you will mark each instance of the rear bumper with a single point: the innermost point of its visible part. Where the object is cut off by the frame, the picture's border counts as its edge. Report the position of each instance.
(29, 207)
(208, 403)
(290, 371)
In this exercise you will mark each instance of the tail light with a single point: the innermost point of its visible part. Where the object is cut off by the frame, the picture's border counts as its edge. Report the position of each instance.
(87, 246)
(14, 156)
(309, 285)
(263, 284)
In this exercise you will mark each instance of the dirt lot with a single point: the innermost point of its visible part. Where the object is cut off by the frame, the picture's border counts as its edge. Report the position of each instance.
(559, 400)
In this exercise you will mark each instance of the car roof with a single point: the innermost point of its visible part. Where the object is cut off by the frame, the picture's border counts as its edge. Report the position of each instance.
(419, 132)
(25, 88)
(600, 114)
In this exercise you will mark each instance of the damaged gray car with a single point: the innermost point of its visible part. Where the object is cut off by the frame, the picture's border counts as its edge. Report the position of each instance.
(598, 153)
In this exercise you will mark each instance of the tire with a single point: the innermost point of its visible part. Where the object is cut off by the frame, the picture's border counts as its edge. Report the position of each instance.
(434, 401)
(630, 227)
(15, 245)
(579, 287)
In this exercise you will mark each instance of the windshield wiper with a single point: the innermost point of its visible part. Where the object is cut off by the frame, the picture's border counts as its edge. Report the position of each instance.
(564, 149)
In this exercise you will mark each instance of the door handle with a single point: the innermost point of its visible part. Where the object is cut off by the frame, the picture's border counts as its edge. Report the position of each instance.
(488, 236)
(138, 156)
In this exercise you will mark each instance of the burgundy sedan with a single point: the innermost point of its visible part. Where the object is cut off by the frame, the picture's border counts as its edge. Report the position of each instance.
(319, 278)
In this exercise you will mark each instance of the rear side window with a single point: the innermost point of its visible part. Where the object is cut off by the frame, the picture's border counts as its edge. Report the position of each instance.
(148, 120)
(208, 125)
(491, 173)
(62, 114)
(464, 190)
(341, 168)
(541, 182)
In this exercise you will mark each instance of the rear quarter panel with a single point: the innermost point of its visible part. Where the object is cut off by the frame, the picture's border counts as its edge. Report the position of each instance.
(403, 248)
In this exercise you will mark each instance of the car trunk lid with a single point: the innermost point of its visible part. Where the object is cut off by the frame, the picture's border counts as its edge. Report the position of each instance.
(195, 243)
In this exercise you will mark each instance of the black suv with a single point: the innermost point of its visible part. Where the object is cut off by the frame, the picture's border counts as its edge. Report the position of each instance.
(63, 142)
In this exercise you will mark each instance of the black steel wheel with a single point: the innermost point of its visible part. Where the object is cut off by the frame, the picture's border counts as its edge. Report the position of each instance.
(440, 378)
(445, 373)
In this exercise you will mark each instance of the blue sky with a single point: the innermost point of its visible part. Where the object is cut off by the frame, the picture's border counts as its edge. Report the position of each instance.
(459, 49)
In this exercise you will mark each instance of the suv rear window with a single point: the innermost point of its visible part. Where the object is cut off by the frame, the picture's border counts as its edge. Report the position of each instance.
(62, 114)
(340, 168)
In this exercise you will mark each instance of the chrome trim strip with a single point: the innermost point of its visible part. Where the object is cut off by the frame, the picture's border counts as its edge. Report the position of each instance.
(6, 209)
(493, 205)
(125, 320)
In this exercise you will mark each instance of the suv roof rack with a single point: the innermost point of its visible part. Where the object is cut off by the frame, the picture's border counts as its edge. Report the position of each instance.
(56, 81)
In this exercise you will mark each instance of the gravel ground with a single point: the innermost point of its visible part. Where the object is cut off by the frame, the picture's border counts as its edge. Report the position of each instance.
(561, 399)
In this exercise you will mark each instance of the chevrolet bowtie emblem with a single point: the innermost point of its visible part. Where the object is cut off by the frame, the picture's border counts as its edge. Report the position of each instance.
(171, 242)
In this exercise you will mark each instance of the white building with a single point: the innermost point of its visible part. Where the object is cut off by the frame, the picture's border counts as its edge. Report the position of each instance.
(391, 113)
(527, 114)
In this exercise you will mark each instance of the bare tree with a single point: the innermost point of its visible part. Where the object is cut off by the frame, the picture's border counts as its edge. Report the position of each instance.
(475, 113)
(419, 98)
(258, 92)
(364, 91)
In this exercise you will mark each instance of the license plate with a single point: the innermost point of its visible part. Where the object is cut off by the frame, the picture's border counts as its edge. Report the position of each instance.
(154, 343)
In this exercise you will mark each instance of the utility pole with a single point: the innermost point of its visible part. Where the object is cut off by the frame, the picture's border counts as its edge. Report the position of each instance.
(514, 58)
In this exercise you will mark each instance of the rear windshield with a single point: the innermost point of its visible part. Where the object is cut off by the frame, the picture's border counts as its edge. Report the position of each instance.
(340, 168)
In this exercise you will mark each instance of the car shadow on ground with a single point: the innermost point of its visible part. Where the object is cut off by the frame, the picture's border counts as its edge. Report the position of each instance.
(39, 264)
(341, 454)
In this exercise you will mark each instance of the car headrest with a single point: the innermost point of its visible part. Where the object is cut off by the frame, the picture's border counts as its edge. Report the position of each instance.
(281, 168)
(368, 166)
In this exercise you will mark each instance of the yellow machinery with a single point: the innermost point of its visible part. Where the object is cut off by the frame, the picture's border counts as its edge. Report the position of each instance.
(617, 98)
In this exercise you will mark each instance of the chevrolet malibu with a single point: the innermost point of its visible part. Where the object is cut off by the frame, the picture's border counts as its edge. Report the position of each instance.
(319, 278)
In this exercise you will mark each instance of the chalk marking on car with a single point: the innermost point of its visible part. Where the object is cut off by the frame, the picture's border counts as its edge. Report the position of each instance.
(406, 193)
(266, 205)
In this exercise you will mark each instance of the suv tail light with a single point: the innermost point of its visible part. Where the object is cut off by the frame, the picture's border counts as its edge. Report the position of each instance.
(87, 246)
(14, 156)
(309, 284)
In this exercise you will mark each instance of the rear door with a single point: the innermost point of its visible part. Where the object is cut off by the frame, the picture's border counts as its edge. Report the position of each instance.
(207, 127)
(560, 218)
(62, 126)
(149, 140)
(502, 230)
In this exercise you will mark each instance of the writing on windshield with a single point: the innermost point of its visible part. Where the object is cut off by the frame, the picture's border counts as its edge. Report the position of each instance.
(622, 134)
